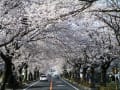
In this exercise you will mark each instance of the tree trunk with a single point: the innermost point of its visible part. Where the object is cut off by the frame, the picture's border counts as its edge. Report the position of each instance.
(8, 69)
(92, 73)
(84, 74)
(26, 75)
(103, 77)
(104, 68)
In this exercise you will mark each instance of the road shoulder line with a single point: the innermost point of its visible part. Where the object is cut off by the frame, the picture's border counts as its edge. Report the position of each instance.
(70, 84)
(31, 85)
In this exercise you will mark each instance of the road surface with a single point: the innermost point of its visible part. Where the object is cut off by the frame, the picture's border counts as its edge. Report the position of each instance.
(54, 84)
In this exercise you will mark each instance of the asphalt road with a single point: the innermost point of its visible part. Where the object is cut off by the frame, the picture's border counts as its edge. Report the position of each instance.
(54, 84)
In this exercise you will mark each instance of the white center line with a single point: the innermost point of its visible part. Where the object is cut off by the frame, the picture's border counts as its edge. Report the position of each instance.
(60, 85)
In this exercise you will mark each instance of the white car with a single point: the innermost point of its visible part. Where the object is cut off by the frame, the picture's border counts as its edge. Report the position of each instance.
(43, 78)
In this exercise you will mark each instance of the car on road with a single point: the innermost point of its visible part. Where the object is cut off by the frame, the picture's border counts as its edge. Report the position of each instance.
(43, 78)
